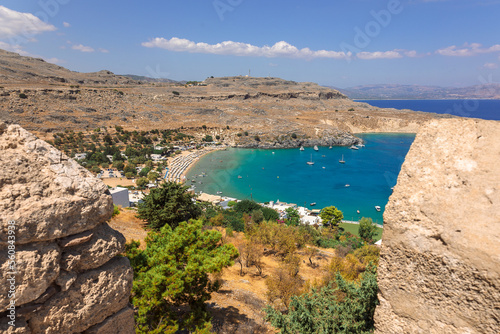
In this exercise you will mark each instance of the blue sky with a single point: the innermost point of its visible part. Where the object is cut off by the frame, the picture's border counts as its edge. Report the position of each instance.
(339, 43)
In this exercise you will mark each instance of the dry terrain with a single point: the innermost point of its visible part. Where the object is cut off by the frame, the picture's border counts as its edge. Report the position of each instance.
(46, 98)
(237, 307)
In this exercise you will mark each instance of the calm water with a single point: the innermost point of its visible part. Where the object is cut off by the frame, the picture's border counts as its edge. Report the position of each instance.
(370, 172)
(485, 109)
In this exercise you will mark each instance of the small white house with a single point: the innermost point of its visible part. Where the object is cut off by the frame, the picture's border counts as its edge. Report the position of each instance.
(80, 156)
(120, 196)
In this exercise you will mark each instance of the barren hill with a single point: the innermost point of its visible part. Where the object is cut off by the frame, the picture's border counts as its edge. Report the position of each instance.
(45, 98)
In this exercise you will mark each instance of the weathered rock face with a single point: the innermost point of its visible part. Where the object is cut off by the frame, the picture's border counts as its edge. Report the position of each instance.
(67, 278)
(440, 262)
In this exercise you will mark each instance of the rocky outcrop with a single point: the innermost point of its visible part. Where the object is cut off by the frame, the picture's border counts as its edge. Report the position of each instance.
(65, 272)
(440, 266)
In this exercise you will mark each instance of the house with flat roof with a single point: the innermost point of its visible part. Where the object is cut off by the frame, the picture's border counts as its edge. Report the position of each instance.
(120, 196)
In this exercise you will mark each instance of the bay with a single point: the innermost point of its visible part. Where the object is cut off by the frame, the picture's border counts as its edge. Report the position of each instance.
(363, 182)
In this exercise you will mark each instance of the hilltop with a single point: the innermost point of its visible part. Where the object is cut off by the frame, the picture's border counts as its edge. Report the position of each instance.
(46, 98)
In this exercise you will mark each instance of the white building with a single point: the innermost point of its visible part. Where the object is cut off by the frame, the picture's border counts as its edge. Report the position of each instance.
(80, 156)
(120, 196)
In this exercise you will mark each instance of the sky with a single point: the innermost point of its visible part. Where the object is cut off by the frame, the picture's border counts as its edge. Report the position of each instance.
(340, 43)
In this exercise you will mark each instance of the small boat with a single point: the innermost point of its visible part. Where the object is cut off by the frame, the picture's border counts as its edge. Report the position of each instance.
(377, 207)
(310, 162)
(342, 161)
(240, 177)
(324, 167)
(273, 152)
(357, 211)
(330, 147)
(323, 156)
(347, 185)
(354, 147)
(361, 145)
(313, 204)
(316, 148)
(219, 192)
(302, 148)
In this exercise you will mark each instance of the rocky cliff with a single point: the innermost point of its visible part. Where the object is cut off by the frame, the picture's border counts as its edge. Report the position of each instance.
(57, 254)
(440, 262)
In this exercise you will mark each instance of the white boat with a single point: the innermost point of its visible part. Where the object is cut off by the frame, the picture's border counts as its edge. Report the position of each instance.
(347, 185)
(310, 162)
(302, 148)
(316, 148)
(342, 161)
(354, 147)
(313, 204)
(240, 177)
(377, 207)
(361, 145)
(219, 192)
(330, 147)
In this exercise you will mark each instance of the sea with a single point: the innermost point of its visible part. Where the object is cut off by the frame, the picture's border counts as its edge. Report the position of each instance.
(363, 182)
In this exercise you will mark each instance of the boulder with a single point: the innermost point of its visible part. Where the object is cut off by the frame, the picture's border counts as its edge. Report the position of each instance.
(93, 297)
(119, 323)
(104, 244)
(439, 269)
(37, 267)
(48, 195)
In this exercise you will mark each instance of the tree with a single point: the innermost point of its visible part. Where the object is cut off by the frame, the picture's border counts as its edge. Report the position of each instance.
(246, 206)
(367, 229)
(343, 307)
(270, 214)
(331, 216)
(172, 272)
(153, 176)
(257, 216)
(142, 182)
(293, 216)
(169, 204)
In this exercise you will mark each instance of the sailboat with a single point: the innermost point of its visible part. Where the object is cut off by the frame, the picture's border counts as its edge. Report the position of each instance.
(310, 162)
(316, 148)
(342, 161)
(302, 148)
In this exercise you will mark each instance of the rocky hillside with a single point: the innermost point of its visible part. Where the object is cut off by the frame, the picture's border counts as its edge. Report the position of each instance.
(27, 70)
(439, 269)
(45, 98)
(66, 275)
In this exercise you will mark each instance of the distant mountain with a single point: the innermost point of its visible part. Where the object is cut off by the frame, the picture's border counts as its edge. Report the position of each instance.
(388, 91)
(149, 79)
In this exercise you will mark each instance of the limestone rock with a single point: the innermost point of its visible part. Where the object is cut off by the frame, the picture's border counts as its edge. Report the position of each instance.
(93, 297)
(440, 261)
(119, 323)
(48, 195)
(37, 267)
(21, 327)
(103, 246)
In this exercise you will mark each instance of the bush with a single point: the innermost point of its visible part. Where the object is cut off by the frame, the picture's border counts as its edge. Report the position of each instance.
(23, 96)
(351, 109)
(176, 93)
(294, 136)
(257, 138)
(116, 210)
(246, 206)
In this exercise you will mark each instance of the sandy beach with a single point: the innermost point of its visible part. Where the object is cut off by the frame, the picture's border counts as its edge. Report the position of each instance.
(179, 166)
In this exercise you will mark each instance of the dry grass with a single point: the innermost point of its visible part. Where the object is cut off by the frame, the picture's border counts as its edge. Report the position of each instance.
(237, 307)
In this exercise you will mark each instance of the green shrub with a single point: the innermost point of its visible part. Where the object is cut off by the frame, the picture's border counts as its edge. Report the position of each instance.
(23, 96)
(176, 93)
(116, 210)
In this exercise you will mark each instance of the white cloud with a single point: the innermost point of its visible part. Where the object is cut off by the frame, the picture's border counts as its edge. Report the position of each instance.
(66, 24)
(83, 48)
(280, 49)
(103, 50)
(379, 55)
(490, 66)
(467, 50)
(14, 24)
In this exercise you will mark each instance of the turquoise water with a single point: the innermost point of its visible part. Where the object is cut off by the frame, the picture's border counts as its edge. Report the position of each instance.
(371, 172)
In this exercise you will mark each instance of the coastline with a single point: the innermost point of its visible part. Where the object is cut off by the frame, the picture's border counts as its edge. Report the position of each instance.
(185, 157)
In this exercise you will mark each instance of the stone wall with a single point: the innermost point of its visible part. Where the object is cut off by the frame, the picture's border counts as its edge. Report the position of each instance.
(440, 262)
(68, 277)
